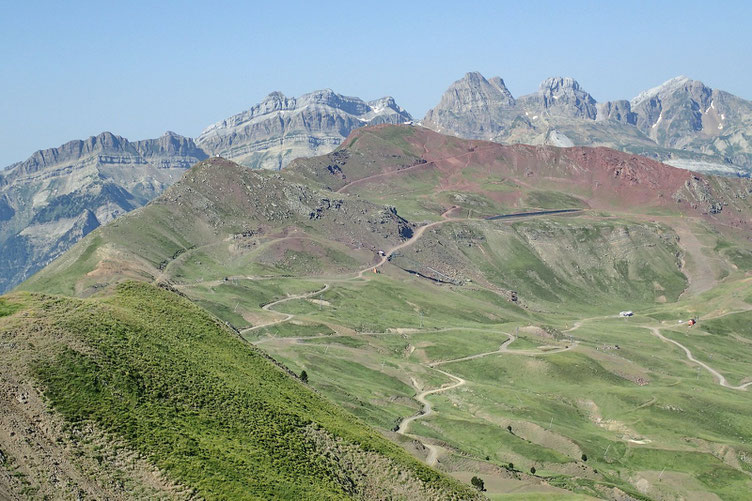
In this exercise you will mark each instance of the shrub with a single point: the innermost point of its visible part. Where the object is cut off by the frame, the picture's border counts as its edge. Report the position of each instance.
(478, 483)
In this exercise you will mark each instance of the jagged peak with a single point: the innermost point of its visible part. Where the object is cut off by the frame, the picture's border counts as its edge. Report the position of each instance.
(475, 76)
(105, 136)
(385, 101)
(475, 82)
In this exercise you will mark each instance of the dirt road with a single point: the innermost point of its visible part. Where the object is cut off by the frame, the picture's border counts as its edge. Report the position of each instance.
(717, 375)
(287, 316)
(427, 410)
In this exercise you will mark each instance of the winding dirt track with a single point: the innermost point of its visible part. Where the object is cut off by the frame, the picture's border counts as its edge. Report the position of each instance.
(717, 375)
(427, 409)
(287, 316)
(416, 235)
(433, 451)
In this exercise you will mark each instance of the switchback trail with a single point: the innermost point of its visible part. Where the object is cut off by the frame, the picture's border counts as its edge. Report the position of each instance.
(426, 410)
(288, 316)
(717, 375)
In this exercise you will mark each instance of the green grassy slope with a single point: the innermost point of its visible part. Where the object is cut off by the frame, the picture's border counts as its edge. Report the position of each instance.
(212, 412)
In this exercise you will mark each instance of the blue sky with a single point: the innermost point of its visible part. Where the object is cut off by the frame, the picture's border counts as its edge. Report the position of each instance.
(70, 70)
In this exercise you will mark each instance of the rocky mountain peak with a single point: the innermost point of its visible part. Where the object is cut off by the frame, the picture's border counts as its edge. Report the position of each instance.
(279, 129)
(327, 97)
(469, 106)
(474, 97)
(385, 102)
(680, 108)
(562, 96)
(275, 101)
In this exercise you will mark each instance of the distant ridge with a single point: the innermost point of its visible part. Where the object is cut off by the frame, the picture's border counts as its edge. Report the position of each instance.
(681, 122)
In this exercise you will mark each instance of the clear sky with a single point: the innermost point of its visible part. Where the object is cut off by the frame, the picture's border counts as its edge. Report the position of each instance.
(70, 70)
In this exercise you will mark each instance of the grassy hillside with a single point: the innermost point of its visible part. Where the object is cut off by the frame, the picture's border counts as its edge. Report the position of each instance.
(214, 414)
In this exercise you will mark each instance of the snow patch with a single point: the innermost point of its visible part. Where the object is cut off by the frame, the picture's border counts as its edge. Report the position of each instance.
(660, 117)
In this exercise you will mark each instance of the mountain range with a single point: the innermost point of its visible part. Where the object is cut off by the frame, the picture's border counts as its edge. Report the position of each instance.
(58, 195)
(681, 122)
(280, 129)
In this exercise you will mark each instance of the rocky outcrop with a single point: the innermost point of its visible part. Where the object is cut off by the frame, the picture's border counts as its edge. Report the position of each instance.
(280, 129)
(682, 122)
(619, 111)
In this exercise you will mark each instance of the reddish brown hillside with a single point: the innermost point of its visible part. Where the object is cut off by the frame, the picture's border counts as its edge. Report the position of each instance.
(602, 178)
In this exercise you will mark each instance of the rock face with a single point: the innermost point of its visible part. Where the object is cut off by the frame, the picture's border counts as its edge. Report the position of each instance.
(618, 111)
(280, 129)
(681, 122)
(57, 196)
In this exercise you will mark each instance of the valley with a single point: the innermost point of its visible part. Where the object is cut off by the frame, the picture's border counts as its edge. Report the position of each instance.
(462, 298)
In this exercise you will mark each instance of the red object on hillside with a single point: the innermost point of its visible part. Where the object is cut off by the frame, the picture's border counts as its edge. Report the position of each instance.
(691, 322)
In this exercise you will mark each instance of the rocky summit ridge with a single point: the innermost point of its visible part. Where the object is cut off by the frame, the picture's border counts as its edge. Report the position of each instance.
(279, 129)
